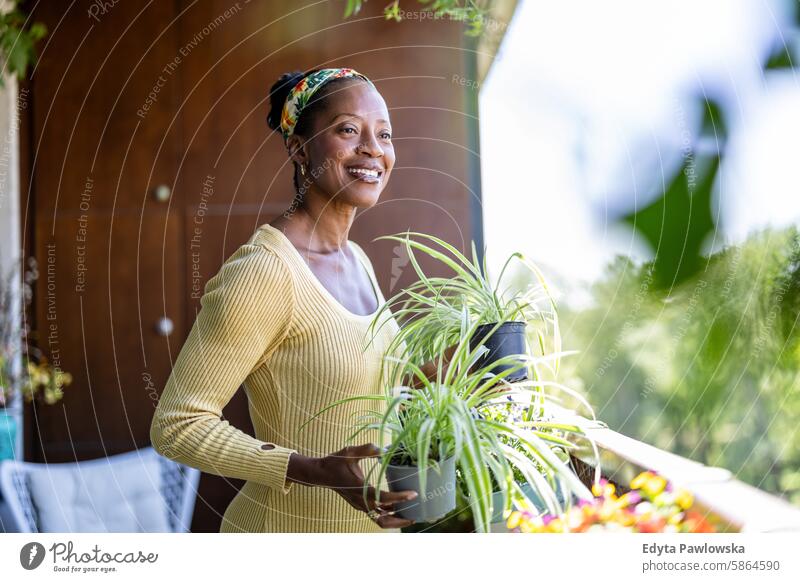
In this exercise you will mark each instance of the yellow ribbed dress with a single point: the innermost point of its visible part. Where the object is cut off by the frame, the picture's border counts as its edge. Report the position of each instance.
(267, 322)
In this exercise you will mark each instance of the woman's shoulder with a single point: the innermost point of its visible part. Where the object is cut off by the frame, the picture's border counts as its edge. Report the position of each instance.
(258, 266)
(272, 239)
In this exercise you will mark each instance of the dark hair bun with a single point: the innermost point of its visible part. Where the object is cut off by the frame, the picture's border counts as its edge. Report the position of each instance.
(277, 96)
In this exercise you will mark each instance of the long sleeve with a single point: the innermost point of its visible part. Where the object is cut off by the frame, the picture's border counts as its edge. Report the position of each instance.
(245, 313)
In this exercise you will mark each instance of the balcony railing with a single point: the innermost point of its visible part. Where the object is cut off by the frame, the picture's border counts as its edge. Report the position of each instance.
(732, 505)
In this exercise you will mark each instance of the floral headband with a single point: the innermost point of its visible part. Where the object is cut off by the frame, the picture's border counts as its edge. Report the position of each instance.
(301, 94)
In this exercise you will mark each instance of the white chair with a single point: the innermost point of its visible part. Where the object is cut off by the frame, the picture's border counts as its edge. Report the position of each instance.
(131, 479)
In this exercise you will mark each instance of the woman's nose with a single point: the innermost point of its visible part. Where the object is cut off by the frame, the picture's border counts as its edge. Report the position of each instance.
(371, 146)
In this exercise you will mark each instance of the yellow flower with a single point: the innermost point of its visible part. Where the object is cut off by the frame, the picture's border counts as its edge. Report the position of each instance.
(629, 498)
(606, 514)
(684, 499)
(625, 518)
(514, 520)
(63, 378)
(654, 485)
(641, 479)
(36, 375)
(675, 519)
(603, 490)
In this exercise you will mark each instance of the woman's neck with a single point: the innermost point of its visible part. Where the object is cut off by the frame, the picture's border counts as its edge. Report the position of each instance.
(321, 227)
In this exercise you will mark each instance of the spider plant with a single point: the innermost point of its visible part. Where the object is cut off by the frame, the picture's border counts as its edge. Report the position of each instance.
(446, 418)
(434, 309)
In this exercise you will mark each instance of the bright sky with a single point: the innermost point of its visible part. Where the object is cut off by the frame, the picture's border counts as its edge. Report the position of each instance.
(585, 109)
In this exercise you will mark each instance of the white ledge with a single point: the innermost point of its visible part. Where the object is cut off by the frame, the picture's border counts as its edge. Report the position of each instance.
(743, 506)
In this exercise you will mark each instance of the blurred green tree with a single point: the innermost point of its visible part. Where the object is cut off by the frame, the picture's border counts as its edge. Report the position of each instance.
(710, 369)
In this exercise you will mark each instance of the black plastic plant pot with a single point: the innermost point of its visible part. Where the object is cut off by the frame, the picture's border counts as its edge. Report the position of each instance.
(507, 340)
(439, 497)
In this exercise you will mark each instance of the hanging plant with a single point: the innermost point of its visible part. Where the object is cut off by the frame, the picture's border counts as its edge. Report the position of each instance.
(38, 380)
(17, 41)
(473, 13)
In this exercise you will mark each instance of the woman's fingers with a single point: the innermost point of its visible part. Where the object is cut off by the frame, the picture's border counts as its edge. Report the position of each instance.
(392, 521)
(388, 519)
(381, 512)
(364, 451)
(389, 498)
(429, 369)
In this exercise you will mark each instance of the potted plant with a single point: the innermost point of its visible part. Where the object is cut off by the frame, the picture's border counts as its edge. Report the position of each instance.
(10, 348)
(522, 494)
(429, 431)
(23, 368)
(558, 426)
(437, 311)
(468, 308)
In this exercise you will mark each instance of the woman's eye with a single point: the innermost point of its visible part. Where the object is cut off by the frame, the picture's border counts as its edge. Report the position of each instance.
(346, 129)
(386, 135)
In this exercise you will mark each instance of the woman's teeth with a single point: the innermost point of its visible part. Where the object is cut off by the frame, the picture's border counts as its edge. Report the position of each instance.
(364, 174)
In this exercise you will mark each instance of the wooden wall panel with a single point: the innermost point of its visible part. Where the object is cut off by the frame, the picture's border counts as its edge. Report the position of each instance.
(90, 82)
(98, 305)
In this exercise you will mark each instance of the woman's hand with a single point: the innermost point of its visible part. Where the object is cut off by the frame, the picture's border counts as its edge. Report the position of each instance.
(430, 368)
(341, 472)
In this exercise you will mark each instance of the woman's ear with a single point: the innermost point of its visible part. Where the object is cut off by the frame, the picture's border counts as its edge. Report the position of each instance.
(297, 151)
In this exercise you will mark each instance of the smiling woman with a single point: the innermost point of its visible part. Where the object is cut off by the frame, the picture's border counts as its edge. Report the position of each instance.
(342, 140)
(288, 315)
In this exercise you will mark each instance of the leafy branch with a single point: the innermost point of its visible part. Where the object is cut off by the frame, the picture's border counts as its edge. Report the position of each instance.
(17, 42)
(472, 12)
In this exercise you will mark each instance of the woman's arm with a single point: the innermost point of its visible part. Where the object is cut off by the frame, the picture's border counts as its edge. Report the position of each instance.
(245, 313)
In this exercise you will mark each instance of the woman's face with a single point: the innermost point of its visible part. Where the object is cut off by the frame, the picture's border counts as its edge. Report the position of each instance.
(349, 154)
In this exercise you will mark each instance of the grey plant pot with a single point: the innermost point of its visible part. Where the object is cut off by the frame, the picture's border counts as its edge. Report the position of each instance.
(439, 497)
(529, 492)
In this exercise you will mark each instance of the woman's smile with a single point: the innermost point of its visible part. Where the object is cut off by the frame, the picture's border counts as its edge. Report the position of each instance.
(366, 173)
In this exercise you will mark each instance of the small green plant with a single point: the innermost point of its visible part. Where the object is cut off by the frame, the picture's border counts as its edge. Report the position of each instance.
(14, 295)
(42, 382)
(472, 12)
(38, 379)
(439, 312)
(17, 43)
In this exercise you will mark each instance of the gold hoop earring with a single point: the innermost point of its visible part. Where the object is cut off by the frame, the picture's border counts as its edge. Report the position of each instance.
(302, 170)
